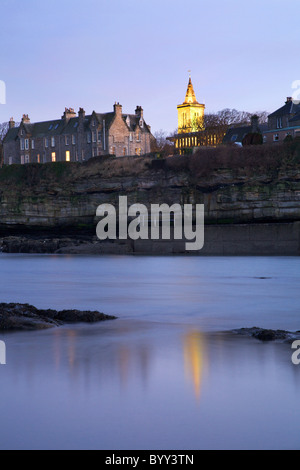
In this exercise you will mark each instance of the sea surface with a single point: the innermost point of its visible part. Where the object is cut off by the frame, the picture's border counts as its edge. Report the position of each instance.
(167, 373)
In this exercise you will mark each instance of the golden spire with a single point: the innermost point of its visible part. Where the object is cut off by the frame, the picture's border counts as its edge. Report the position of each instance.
(190, 97)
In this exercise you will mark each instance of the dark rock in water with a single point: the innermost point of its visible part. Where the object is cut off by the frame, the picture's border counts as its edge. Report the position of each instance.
(267, 334)
(15, 316)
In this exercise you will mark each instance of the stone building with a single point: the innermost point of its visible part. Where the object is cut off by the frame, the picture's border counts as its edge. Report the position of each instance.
(283, 122)
(77, 137)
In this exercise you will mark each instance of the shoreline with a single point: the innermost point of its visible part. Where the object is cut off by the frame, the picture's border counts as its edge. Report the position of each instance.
(255, 239)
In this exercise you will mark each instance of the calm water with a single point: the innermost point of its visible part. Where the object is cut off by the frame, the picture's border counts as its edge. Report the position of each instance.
(167, 374)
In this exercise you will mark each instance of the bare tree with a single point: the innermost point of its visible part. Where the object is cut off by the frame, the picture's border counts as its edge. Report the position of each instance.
(162, 144)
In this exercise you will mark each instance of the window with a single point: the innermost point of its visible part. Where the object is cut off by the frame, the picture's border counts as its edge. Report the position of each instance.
(279, 123)
(68, 158)
(22, 160)
(138, 151)
(46, 142)
(56, 126)
(82, 155)
(234, 137)
(38, 158)
(138, 137)
(94, 123)
(88, 138)
(10, 160)
(52, 141)
(113, 150)
(73, 139)
(99, 136)
(141, 122)
(26, 144)
(94, 136)
(22, 144)
(75, 124)
(50, 127)
(95, 152)
(130, 137)
(26, 158)
(32, 144)
(66, 140)
(124, 151)
(275, 137)
(53, 157)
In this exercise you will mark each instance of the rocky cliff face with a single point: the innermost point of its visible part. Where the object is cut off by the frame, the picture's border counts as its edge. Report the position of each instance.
(61, 196)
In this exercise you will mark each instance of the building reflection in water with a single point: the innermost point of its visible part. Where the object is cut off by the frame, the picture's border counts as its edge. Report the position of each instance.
(125, 360)
(194, 358)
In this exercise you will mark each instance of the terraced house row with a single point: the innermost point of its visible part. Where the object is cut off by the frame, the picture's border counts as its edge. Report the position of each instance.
(77, 137)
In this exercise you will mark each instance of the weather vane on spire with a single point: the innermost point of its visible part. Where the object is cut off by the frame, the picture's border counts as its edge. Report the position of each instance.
(189, 71)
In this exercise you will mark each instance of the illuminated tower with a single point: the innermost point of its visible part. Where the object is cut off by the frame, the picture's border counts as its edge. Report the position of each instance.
(190, 112)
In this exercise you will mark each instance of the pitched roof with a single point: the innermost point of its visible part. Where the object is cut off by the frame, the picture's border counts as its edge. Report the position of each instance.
(59, 126)
(295, 118)
(289, 108)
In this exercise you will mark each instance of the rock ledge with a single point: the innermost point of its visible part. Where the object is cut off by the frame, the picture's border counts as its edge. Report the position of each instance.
(16, 316)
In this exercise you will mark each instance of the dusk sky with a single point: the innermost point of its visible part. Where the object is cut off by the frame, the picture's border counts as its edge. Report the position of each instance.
(75, 53)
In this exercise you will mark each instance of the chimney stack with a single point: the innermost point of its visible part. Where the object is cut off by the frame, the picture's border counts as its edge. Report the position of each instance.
(118, 109)
(68, 114)
(11, 123)
(289, 99)
(25, 119)
(139, 112)
(254, 123)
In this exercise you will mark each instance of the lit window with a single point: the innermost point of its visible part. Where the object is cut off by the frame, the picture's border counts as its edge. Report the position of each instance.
(53, 156)
(68, 158)
(38, 158)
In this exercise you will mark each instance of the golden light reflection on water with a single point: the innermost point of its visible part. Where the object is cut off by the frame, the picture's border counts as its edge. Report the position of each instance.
(194, 359)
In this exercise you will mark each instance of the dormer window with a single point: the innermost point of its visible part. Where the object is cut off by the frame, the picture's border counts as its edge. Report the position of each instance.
(128, 121)
(141, 123)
